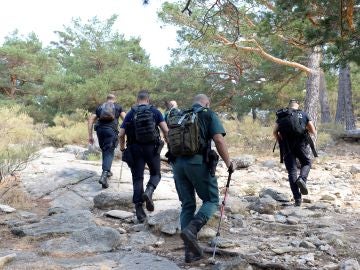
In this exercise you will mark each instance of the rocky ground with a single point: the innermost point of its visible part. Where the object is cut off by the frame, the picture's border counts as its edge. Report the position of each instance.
(55, 215)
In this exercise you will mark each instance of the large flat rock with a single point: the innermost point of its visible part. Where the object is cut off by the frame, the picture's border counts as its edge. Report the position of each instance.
(67, 222)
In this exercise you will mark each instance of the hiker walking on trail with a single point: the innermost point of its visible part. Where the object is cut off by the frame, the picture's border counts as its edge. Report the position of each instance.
(144, 144)
(170, 105)
(291, 131)
(193, 167)
(106, 120)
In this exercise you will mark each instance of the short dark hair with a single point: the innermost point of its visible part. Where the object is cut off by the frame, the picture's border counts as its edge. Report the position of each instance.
(110, 97)
(293, 100)
(143, 95)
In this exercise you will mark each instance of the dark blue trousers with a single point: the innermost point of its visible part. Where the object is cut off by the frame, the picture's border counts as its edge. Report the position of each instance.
(293, 151)
(144, 154)
(108, 140)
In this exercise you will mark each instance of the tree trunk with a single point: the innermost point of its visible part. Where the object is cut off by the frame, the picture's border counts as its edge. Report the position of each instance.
(349, 110)
(311, 105)
(254, 114)
(324, 102)
(340, 106)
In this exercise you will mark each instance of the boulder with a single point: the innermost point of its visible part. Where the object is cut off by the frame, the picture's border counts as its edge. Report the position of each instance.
(243, 161)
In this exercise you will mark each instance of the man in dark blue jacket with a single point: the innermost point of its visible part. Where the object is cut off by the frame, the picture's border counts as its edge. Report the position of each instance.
(296, 147)
(106, 117)
(143, 145)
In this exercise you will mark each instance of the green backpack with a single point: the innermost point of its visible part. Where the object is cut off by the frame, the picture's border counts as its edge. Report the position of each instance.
(184, 134)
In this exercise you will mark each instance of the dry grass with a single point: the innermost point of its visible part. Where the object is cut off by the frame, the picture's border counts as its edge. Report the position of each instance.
(20, 138)
(11, 193)
(248, 136)
(68, 129)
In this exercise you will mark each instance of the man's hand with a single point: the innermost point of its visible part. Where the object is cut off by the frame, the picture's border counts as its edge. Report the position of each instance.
(91, 140)
(231, 168)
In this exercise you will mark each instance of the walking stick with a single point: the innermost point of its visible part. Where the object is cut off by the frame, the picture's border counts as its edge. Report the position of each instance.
(221, 214)
(120, 176)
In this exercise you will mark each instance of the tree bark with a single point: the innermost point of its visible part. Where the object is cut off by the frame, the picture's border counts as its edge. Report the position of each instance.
(311, 105)
(344, 110)
(340, 106)
(349, 110)
(324, 102)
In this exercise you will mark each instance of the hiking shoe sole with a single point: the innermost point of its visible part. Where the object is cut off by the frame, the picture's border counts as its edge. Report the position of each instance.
(302, 186)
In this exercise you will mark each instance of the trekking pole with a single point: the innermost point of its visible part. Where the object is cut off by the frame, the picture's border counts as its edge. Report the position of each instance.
(221, 214)
(274, 146)
(121, 169)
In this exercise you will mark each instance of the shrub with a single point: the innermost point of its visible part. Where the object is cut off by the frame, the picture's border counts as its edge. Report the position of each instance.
(248, 136)
(68, 129)
(20, 138)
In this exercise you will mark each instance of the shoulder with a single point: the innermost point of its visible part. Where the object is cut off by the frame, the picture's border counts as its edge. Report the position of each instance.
(98, 109)
(304, 114)
(155, 110)
(118, 106)
(211, 114)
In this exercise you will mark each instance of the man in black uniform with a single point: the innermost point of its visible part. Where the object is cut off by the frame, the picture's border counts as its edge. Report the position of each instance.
(296, 147)
(106, 117)
(143, 147)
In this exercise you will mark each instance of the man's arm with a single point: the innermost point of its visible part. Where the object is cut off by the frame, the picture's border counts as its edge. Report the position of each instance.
(91, 121)
(122, 139)
(164, 128)
(122, 115)
(222, 149)
(311, 128)
(276, 132)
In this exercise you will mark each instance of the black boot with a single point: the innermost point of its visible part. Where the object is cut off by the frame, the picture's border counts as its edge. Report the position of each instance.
(302, 186)
(147, 197)
(140, 214)
(103, 179)
(190, 256)
(189, 235)
(109, 174)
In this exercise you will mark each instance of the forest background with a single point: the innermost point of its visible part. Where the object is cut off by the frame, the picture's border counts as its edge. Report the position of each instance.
(250, 57)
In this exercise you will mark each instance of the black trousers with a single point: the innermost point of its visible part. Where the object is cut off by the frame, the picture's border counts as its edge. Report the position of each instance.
(144, 154)
(293, 151)
(108, 140)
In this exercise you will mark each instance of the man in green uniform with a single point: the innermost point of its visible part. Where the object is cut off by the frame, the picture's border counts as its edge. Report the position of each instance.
(192, 174)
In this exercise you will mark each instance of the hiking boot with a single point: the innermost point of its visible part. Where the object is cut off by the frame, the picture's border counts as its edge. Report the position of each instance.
(103, 179)
(110, 174)
(190, 256)
(147, 197)
(297, 202)
(140, 214)
(302, 186)
(189, 235)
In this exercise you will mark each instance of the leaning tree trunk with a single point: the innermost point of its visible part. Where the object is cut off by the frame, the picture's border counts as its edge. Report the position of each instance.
(324, 102)
(349, 110)
(311, 105)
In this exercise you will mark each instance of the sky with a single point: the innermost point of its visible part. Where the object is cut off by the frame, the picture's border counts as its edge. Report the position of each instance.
(135, 20)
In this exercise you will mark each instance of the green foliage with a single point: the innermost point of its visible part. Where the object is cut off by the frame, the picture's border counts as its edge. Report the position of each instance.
(329, 23)
(97, 61)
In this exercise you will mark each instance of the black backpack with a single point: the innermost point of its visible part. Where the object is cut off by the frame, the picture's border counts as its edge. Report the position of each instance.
(289, 123)
(107, 113)
(144, 125)
(184, 133)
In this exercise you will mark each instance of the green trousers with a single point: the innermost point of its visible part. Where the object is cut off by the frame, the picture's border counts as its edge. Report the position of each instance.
(192, 175)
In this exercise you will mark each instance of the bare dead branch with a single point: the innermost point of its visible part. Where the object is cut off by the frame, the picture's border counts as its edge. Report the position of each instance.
(186, 8)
